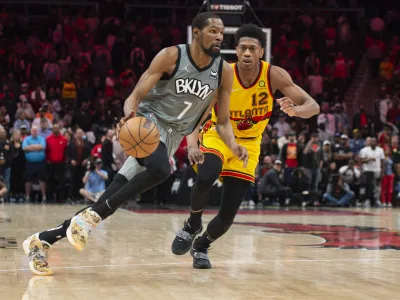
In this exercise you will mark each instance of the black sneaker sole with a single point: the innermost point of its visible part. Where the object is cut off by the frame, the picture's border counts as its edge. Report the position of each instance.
(180, 251)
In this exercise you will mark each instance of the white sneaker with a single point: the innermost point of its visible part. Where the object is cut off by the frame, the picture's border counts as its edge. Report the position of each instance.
(378, 203)
(367, 203)
(81, 225)
(304, 204)
(37, 251)
(287, 201)
(390, 205)
(383, 204)
(252, 204)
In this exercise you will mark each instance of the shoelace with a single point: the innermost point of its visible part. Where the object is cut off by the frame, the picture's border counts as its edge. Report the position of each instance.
(82, 223)
(184, 235)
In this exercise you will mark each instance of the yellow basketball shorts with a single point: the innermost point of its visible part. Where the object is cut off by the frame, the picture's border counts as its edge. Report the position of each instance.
(231, 165)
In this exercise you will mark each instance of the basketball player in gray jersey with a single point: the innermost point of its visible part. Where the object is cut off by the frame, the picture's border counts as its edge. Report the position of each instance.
(176, 92)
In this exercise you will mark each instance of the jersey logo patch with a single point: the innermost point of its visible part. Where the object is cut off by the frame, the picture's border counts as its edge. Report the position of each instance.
(193, 87)
(213, 74)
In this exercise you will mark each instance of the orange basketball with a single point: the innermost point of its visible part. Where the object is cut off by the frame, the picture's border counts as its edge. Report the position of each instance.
(139, 137)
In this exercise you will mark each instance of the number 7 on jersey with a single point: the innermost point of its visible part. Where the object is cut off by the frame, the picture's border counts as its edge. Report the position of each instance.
(189, 104)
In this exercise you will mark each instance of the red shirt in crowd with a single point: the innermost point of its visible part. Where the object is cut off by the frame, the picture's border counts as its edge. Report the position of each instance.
(55, 148)
(291, 156)
(96, 151)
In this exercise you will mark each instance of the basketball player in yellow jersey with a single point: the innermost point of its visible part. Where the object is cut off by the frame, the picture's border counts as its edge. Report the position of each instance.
(251, 105)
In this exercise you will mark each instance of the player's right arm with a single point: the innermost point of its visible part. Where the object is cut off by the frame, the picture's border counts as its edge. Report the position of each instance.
(224, 127)
(164, 62)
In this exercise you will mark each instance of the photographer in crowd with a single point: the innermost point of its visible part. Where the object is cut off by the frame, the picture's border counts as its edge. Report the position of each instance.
(94, 180)
(338, 193)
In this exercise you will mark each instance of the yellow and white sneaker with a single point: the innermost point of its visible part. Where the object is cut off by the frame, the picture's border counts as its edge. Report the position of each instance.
(37, 251)
(81, 225)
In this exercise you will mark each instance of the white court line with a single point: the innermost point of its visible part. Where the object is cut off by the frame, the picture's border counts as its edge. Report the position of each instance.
(237, 262)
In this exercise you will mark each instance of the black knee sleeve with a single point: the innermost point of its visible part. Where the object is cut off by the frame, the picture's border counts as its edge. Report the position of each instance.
(207, 174)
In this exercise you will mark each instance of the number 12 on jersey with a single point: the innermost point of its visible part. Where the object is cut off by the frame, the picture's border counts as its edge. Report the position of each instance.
(189, 104)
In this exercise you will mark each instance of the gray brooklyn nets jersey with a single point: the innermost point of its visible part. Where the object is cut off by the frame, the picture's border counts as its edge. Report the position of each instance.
(178, 101)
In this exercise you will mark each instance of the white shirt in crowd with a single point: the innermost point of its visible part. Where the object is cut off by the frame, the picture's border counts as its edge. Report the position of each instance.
(378, 154)
(282, 128)
(350, 175)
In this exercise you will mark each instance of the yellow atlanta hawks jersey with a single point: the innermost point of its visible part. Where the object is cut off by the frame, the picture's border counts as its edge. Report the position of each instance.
(250, 107)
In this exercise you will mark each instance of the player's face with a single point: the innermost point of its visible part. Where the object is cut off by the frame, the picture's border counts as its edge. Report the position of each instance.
(211, 37)
(249, 52)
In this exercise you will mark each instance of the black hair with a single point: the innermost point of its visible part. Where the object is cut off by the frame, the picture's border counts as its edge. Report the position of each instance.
(201, 20)
(251, 31)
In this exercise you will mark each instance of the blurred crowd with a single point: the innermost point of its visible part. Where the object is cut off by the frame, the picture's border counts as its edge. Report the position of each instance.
(63, 81)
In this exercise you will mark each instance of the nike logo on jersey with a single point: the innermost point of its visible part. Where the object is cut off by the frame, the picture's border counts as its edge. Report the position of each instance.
(192, 87)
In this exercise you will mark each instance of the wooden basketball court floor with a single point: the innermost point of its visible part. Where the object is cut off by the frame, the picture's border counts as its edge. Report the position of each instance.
(267, 254)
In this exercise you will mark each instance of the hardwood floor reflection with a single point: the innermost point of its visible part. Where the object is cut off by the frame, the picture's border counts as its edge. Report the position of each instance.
(291, 254)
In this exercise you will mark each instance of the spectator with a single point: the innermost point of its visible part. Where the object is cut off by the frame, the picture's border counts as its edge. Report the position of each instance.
(24, 132)
(78, 154)
(386, 68)
(387, 181)
(384, 106)
(341, 119)
(282, 125)
(83, 118)
(68, 93)
(291, 157)
(42, 116)
(384, 137)
(95, 181)
(6, 156)
(45, 113)
(35, 169)
(342, 154)
(21, 121)
(327, 118)
(397, 182)
(315, 82)
(357, 143)
(393, 113)
(3, 191)
(270, 185)
(394, 146)
(323, 135)
(338, 193)
(44, 129)
(51, 71)
(312, 161)
(300, 188)
(351, 175)
(56, 146)
(17, 167)
(361, 119)
(372, 159)
(27, 109)
(38, 98)
(283, 140)
(107, 154)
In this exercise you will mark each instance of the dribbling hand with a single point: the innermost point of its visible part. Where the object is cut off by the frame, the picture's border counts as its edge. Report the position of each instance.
(122, 122)
(241, 153)
(195, 156)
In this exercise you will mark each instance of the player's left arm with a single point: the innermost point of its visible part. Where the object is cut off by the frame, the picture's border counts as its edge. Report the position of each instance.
(296, 103)
(224, 127)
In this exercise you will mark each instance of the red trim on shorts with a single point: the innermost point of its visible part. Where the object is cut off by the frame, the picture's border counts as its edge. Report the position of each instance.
(212, 151)
(237, 175)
